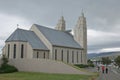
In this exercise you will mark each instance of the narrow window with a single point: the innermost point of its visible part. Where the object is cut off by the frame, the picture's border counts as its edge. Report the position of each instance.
(81, 56)
(14, 54)
(8, 50)
(72, 56)
(44, 55)
(68, 56)
(55, 54)
(62, 55)
(37, 54)
(22, 51)
(77, 56)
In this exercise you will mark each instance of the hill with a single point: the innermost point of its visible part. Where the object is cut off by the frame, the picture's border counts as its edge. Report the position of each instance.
(103, 54)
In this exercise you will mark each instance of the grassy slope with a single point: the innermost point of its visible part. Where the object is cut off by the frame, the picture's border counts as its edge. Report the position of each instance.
(42, 76)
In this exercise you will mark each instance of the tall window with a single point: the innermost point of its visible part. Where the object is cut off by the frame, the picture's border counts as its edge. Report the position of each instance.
(37, 54)
(81, 56)
(77, 56)
(8, 50)
(62, 55)
(44, 55)
(72, 56)
(14, 53)
(22, 51)
(68, 56)
(55, 54)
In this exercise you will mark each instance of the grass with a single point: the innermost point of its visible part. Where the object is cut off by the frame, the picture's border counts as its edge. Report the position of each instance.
(42, 76)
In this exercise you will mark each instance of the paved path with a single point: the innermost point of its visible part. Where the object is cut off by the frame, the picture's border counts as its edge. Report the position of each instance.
(112, 75)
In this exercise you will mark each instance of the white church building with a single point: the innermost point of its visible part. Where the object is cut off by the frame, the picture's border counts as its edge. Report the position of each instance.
(41, 42)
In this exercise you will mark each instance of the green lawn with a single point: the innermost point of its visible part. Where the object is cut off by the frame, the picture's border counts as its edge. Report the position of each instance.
(42, 76)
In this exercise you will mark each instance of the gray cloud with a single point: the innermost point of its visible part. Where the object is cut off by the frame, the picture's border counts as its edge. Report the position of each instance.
(102, 16)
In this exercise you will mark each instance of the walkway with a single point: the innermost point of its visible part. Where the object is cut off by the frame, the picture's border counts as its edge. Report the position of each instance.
(112, 75)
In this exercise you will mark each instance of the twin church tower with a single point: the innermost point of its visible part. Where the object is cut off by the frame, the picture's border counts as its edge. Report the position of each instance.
(80, 31)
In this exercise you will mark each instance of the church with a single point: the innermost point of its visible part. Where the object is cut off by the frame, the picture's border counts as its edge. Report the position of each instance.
(41, 42)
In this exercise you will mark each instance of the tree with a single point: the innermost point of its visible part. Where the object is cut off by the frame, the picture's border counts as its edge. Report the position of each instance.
(106, 60)
(117, 61)
(4, 60)
(90, 63)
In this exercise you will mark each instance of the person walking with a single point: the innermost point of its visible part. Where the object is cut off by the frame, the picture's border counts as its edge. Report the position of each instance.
(103, 68)
(106, 70)
(98, 67)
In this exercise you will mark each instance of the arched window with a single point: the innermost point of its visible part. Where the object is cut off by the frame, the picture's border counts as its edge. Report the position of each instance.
(67, 56)
(37, 54)
(62, 55)
(81, 56)
(8, 50)
(44, 55)
(77, 56)
(72, 56)
(14, 51)
(22, 51)
(55, 54)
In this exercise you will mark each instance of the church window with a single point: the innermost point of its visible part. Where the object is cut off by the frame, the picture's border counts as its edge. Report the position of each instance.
(37, 54)
(81, 56)
(44, 55)
(72, 56)
(14, 53)
(77, 56)
(55, 54)
(62, 55)
(8, 50)
(68, 56)
(22, 50)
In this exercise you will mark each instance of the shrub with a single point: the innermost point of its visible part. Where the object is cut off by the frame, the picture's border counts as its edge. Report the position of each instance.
(81, 65)
(91, 65)
(7, 68)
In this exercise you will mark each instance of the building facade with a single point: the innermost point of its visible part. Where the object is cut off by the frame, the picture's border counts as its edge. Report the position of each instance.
(41, 42)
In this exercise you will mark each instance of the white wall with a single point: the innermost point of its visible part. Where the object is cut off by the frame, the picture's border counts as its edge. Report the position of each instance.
(59, 52)
(41, 54)
(18, 49)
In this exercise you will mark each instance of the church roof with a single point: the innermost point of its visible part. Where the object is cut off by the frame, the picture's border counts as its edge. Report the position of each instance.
(58, 38)
(27, 36)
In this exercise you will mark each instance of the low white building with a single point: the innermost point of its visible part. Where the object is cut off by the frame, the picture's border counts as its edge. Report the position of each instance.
(46, 43)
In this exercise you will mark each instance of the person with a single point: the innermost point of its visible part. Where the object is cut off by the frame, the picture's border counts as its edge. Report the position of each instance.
(106, 70)
(103, 68)
(98, 68)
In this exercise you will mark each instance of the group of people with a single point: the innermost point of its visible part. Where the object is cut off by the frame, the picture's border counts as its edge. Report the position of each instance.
(103, 68)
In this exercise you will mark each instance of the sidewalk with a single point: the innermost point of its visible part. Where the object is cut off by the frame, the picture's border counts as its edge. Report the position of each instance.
(112, 75)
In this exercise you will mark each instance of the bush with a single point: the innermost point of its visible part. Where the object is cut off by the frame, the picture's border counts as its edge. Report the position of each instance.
(81, 65)
(91, 65)
(7, 68)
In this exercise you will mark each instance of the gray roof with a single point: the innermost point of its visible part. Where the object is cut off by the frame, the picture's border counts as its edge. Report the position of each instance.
(58, 38)
(27, 36)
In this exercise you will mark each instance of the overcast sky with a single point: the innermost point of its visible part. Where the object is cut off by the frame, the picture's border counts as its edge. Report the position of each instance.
(103, 19)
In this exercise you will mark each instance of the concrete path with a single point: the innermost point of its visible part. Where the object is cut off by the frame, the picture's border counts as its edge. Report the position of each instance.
(112, 75)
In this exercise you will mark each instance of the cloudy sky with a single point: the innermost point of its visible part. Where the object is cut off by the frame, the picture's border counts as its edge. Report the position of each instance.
(103, 19)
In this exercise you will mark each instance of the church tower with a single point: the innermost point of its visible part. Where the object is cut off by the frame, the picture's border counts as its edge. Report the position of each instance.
(61, 24)
(80, 34)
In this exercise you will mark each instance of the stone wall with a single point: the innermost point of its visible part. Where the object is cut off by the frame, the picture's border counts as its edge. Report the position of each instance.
(43, 65)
